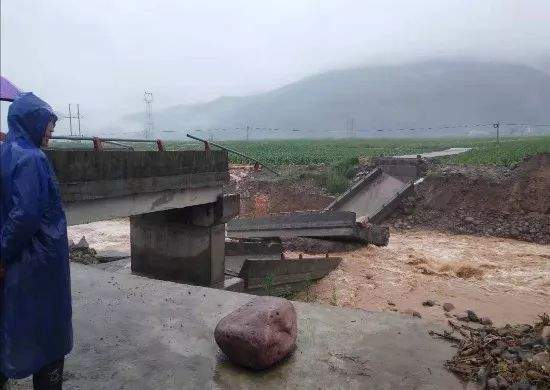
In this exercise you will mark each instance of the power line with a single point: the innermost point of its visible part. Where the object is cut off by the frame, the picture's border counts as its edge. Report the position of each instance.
(526, 124)
(351, 129)
(439, 127)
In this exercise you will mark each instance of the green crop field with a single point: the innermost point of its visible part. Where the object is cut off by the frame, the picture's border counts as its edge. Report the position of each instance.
(305, 152)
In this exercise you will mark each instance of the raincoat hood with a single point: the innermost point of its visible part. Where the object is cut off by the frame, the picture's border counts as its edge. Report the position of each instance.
(28, 117)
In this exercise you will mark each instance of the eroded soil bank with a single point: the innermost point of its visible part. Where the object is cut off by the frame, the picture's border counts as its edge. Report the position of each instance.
(496, 201)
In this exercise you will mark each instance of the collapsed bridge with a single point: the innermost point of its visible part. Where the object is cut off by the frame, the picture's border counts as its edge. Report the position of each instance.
(174, 200)
(149, 333)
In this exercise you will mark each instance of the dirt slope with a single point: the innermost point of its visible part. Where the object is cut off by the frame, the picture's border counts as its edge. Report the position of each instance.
(484, 200)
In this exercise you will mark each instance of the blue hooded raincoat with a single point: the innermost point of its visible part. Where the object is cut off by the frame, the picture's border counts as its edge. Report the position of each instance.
(35, 301)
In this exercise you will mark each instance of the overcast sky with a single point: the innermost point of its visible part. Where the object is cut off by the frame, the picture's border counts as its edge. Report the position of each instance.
(103, 54)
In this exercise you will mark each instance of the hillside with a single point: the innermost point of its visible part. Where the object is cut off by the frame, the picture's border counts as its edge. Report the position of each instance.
(412, 95)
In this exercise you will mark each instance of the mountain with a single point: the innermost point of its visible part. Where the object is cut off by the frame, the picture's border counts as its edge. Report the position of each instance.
(376, 97)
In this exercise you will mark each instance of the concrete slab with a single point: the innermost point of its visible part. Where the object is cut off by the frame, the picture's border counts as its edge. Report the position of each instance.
(103, 185)
(87, 174)
(369, 195)
(136, 333)
(284, 275)
(236, 252)
(385, 209)
(334, 224)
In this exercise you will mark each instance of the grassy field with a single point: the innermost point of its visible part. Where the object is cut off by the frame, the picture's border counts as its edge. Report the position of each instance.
(333, 152)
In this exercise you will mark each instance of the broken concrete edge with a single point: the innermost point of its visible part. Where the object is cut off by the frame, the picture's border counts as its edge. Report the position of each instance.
(375, 234)
(226, 207)
(365, 234)
(234, 284)
(294, 220)
(266, 274)
(236, 252)
(243, 248)
(384, 211)
(402, 169)
(348, 232)
(356, 187)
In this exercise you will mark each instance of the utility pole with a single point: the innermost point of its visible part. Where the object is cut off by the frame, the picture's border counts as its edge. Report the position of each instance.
(497, 126)
(149, 125)
(247, 133)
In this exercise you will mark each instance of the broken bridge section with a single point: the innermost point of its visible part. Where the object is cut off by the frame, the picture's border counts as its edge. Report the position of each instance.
(174, 200)
(337, 225)
(375, 196)
(103, 185)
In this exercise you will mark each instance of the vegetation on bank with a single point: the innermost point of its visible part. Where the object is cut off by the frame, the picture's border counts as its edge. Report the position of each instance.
(337, 151)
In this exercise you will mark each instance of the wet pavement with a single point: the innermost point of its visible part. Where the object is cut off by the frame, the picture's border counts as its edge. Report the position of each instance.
(137, 333)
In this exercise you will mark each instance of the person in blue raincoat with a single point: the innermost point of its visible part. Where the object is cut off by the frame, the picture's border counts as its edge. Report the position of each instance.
(35, 293)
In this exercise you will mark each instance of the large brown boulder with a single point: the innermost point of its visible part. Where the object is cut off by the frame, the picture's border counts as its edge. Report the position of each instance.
(258, 334)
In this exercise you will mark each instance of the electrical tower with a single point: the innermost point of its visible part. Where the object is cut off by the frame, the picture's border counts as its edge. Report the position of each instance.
(149, 124)
(71, 117)
(350, 128)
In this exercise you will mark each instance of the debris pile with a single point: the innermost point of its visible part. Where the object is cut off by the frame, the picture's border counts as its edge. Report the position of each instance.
(509, 357)
(82, 253)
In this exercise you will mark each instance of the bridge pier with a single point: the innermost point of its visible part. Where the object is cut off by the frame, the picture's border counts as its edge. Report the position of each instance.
(183, 245)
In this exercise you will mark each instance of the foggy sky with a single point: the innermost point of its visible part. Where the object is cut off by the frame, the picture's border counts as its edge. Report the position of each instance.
(103, 54)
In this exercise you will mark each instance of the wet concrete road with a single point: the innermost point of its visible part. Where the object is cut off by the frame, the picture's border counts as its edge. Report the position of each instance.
(439, 153)
(137, 333)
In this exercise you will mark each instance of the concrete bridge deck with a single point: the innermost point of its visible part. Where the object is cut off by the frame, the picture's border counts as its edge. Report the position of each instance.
(103, 185)
(137, 333)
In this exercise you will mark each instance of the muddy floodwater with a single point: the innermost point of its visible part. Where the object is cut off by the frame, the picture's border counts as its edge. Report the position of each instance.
(503, 279)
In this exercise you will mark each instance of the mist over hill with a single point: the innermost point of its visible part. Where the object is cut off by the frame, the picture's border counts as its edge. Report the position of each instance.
(375, 97)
